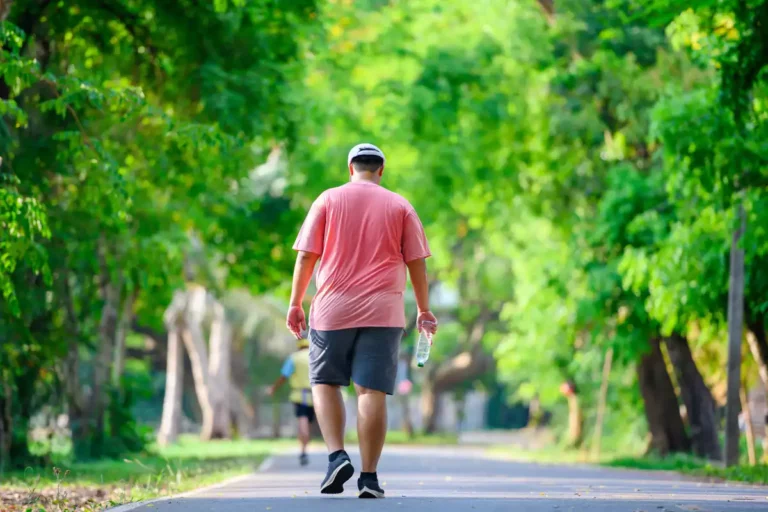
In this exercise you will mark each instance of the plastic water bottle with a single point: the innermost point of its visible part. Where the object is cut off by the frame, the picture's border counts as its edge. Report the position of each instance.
(423, 344)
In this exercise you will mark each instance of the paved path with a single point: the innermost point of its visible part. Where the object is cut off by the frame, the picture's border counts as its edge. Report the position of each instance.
(456, 479)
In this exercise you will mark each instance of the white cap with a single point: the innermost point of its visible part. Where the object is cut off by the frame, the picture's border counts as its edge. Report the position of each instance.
(365, 149)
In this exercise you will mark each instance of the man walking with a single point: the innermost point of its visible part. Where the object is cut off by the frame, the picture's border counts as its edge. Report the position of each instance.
(295, 371)
(364, 237)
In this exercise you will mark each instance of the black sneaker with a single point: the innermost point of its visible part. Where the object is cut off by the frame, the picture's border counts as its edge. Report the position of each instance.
(369, 488)
(303, 459)
(339, 471)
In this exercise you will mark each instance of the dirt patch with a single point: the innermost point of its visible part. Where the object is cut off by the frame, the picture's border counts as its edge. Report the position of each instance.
(62, 499)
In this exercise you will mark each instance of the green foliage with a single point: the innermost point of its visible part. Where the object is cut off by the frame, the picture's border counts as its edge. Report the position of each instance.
(577, 172)
(126, 135)
(185, 466)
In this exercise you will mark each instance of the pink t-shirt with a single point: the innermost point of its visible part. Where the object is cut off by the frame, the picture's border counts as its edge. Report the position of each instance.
(364, 235)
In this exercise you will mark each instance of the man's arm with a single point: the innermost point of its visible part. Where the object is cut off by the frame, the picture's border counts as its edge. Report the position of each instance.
(302, 273)
(274, 387)
(285, 372)
(418, 271)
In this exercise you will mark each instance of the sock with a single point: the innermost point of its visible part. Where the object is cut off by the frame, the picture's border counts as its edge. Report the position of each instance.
(335, 455)
(368, 476)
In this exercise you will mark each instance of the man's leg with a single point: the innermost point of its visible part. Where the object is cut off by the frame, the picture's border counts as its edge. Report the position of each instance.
(371, 425)
(331, 415)
(303, 433)
(330, 366)
(303, 418)
(374, 371)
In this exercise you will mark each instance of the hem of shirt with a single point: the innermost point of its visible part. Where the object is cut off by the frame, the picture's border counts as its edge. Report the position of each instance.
(423, 256)
(355, 326)
(299, 248)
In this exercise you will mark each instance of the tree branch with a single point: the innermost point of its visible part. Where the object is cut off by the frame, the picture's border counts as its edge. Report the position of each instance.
(161, 338)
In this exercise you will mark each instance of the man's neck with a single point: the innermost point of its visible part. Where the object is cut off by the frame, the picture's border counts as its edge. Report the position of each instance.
(364, 178)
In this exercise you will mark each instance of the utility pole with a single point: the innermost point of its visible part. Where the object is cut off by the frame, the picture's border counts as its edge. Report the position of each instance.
(735, 329)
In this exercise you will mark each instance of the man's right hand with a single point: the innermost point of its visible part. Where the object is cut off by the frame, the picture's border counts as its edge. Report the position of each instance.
(426, 321)
(296, 321)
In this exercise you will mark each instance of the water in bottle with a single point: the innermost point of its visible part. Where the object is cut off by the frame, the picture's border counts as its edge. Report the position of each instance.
(423, 344)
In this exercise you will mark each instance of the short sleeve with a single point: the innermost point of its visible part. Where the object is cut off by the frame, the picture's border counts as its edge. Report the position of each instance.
(288, 368)
(312, 233)
(415, 244)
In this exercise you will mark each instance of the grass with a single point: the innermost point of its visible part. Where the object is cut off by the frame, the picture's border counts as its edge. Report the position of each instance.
(688, 465)
(399, 437)
(90, 486)
(685, 464)
(186, 465)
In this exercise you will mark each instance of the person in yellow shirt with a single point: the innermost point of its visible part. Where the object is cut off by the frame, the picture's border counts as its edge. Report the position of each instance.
(295, 371)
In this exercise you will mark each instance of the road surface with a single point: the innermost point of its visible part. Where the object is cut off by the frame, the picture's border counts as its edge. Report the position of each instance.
(459, 479)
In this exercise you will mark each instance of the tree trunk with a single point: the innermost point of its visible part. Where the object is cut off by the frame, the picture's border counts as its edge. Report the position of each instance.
(170, 423)
(219, 371)
(100, 397)
(661, 408)
(243, 414)
(758, 345)
(575, 421)
(699, 404)
(110, 294)
(748, 426)
(78, 419)
(6, 422)
(118, 358)
(430, 401)
(735, 333)
(192, 334)
(602, 398)
(548, 7)
(5, 9)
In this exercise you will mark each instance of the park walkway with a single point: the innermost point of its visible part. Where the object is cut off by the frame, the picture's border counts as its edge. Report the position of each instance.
(454, 479)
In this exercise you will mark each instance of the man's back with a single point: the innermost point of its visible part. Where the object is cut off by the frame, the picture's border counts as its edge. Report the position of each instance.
(365, 234)
(364, 237)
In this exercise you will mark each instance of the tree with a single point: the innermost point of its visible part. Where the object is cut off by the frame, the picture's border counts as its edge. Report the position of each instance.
(737, 47)
(104, 127)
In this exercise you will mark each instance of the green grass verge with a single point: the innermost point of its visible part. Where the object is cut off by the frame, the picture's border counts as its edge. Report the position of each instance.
(757, 474)
(684, 464)
(87, 486)
(398, 437)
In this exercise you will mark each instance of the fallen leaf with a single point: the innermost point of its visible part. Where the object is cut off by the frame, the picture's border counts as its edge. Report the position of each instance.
(448, 478)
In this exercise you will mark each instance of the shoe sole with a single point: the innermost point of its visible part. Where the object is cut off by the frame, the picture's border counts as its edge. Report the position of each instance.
(367, 493)
(335, 484)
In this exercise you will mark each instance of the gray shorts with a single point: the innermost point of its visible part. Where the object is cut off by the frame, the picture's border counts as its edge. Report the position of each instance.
(366, 355)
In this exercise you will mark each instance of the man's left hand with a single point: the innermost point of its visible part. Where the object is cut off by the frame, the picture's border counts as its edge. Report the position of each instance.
(296, 321)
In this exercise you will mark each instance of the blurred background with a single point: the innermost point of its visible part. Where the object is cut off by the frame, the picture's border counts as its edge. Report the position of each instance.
(591, 175)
